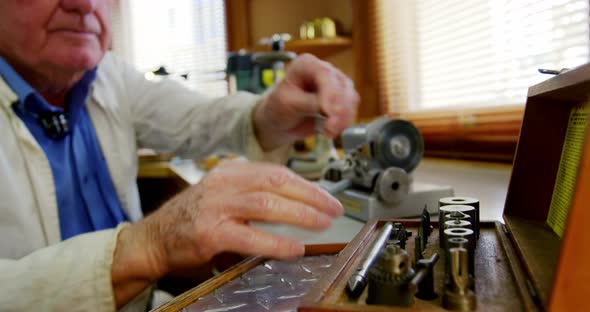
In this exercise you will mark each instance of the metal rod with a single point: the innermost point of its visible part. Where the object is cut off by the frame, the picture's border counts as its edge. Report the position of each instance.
(336, 187)
(358, 280)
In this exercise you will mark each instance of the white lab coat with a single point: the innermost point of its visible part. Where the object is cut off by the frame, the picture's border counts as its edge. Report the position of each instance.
(40, 272)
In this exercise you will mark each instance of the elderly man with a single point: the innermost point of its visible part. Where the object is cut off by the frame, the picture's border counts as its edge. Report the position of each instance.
(72, 116)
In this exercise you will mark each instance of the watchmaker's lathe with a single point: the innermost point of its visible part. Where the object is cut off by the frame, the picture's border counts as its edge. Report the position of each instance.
(373, 180)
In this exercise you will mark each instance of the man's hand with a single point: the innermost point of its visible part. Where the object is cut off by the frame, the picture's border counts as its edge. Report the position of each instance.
(213, 216)
(310, 87)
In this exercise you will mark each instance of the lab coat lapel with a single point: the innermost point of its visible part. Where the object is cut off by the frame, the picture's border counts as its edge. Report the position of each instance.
(38, 169)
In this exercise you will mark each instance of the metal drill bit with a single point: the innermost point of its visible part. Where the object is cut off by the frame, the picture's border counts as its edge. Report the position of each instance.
(320, 123)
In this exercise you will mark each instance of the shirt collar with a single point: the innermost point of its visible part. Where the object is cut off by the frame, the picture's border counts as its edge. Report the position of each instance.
(18, 85)
(23, 89)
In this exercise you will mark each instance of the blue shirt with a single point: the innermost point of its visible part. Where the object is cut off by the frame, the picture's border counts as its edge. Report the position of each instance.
(86, 197)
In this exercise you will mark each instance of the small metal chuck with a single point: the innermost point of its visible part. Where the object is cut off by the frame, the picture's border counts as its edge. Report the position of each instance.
(457, 295)
(389, 279)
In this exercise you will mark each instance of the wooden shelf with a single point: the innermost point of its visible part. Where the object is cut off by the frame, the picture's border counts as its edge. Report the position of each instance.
(320, 47)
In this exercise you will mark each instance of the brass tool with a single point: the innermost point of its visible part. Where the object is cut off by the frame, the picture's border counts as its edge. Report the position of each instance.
(460, 242)
(457, 295)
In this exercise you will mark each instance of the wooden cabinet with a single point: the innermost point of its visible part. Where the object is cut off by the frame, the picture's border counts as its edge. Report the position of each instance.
(352, 51)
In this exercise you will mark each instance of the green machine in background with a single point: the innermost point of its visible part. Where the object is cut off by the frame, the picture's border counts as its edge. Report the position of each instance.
(239, 73)
(256, 72)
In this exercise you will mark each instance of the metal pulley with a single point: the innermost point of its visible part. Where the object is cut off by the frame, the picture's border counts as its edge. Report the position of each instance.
(392, 186)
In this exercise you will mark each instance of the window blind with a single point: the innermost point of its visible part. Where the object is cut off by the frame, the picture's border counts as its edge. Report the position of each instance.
(184, 36)
(116, 29)
(120, 30)
(457, 54)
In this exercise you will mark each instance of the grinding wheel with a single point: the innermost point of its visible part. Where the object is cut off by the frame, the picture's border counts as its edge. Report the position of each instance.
(399, 144)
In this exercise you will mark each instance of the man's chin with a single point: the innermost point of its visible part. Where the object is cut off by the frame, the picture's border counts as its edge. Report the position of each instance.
(77, 59)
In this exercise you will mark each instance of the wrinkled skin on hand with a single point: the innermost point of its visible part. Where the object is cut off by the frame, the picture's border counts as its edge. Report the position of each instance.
(212, 217)
(310, 87)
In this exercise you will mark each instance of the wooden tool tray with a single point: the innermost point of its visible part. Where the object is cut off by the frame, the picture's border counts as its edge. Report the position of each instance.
(500, 282)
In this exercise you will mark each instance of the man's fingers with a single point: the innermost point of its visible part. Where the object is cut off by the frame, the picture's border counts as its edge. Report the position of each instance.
(336, 95)
(271, 208)
(301, 101)
(341, 106)
(306, 105)
(310, 73)
(316, 76)
(262, 177)
(245, 239)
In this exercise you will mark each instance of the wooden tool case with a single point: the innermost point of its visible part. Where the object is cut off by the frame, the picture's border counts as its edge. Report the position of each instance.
(521, 265)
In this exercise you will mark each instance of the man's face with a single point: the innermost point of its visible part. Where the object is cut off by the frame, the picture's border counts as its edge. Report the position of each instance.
(54, 35)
